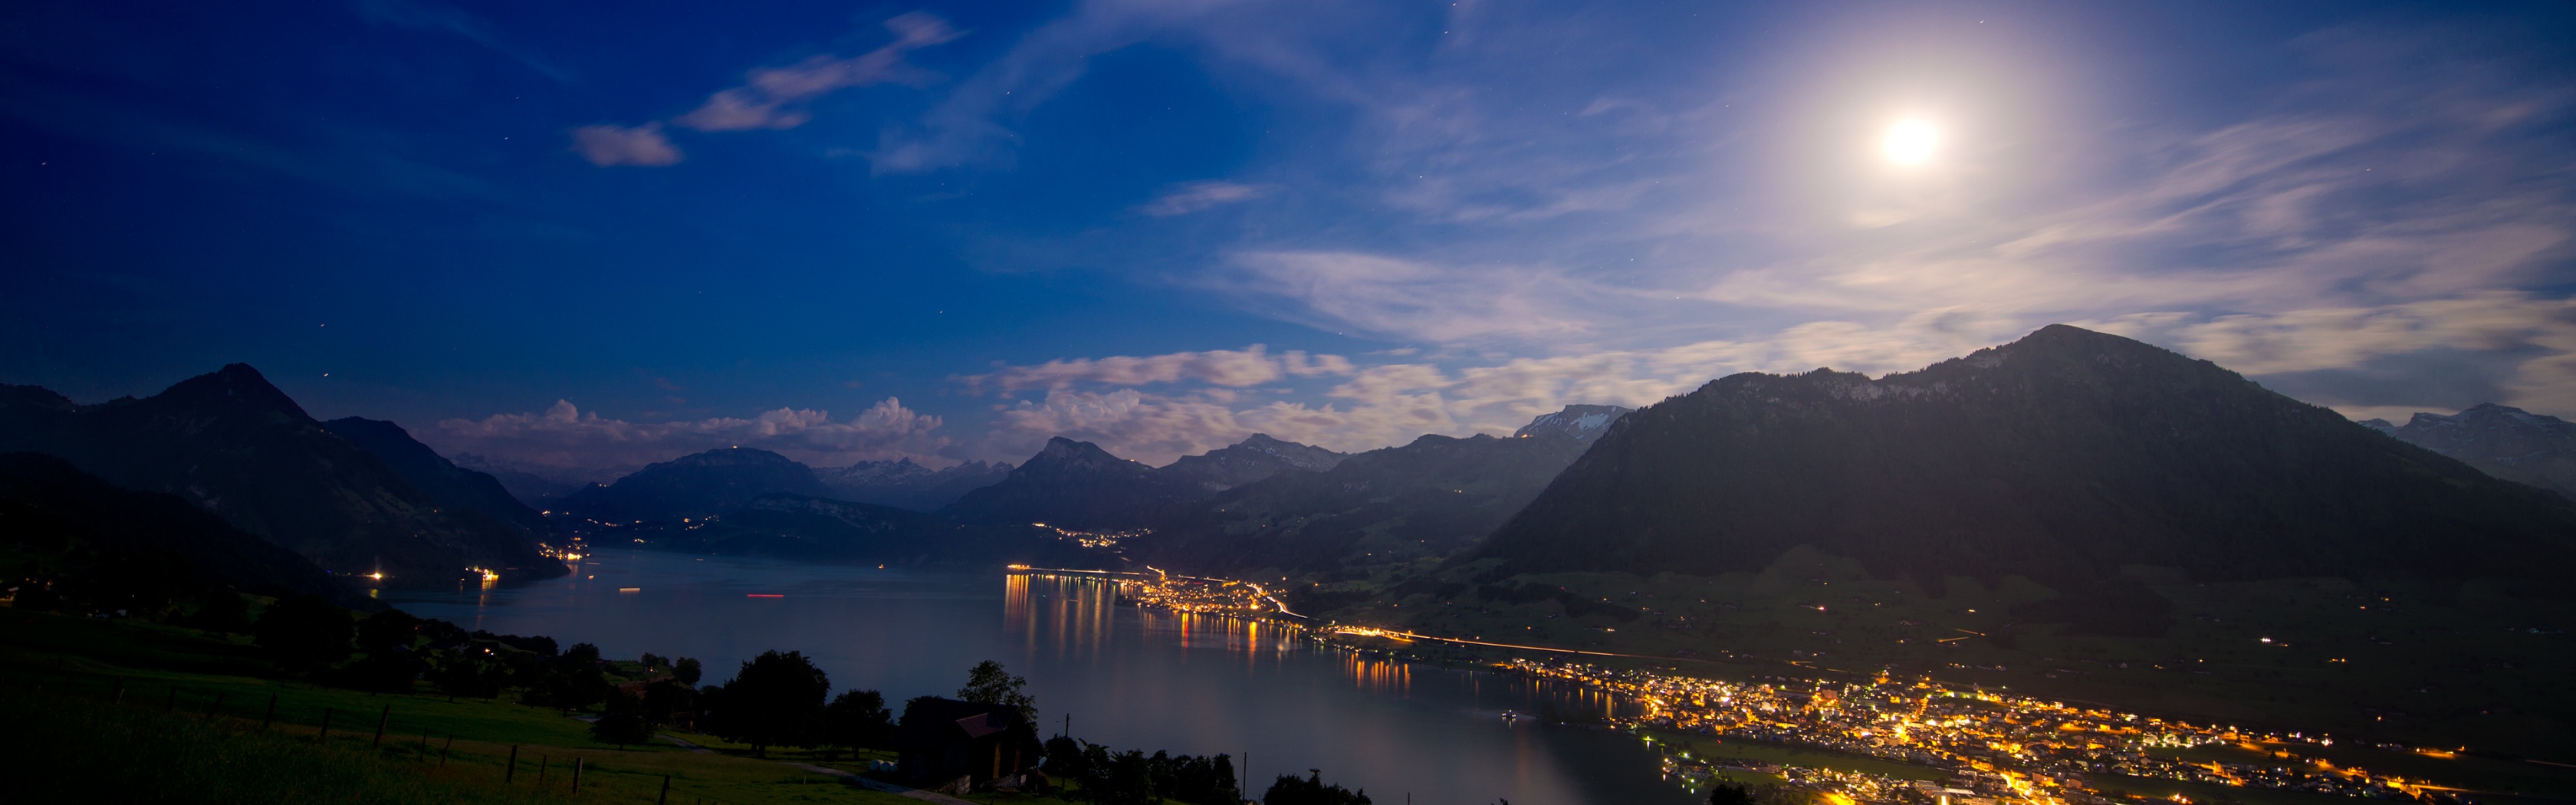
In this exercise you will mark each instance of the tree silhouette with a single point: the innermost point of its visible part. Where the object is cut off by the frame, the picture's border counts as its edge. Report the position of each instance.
(775, 700)
(1288, 790)
(989, 683)
(624, 722)
(303, 634)
(857, 719)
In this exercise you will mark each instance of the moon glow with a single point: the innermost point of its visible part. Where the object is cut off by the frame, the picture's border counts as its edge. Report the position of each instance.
(1909, 142)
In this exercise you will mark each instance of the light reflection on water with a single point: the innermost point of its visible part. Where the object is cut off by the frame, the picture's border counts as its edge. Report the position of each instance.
(1189, 683)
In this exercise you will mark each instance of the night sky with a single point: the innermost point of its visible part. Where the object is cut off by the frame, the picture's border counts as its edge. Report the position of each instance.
(577, 237)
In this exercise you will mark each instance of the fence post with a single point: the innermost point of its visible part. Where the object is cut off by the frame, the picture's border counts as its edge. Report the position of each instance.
(542, 762)
(120, 691)
(326, 726)
(173, 702)
(218, 706)
(665, 798)
(381, 721)
(272, 713)
(513, 770)
(442, 751)
(576, 774)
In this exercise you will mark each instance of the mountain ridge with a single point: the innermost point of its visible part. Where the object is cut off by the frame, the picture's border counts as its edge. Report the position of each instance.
(229, 442)
(699, 484)
(2059, 456)
(448, 485)
(906, 485)
(2503, 441)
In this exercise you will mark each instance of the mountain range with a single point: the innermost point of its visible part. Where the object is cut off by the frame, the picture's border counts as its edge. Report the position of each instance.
(2061, 457)
(1270, 503)
(906, 485)
(1077, 485)
(231, 444)
(691, 486)
(2508, 443)
(1262, 502)
(1428, 498)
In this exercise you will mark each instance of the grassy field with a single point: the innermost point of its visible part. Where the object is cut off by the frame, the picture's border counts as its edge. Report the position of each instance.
(133, 712)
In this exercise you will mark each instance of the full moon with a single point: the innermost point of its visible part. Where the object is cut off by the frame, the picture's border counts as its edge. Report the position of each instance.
(1909, 142)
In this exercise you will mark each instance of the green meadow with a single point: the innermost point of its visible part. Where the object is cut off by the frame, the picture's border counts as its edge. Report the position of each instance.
(137, 712)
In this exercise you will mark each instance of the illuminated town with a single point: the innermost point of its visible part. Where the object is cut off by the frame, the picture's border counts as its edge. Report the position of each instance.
(1977, 747)
(1097, 540)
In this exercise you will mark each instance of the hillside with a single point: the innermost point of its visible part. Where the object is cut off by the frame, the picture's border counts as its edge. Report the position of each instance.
(1255, 458)
(2061, 457)
(112, 544)
(1429, 498)
(448, 485)
(230, 443)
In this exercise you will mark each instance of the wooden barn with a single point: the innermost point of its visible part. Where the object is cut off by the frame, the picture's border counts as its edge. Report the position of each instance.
(945, 739)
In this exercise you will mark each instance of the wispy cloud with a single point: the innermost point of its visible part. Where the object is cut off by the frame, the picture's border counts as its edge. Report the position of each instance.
(1393, 403)
(1417, 299)
(606, 145)
(421, 16)
(773, 98)
(566, 441)
(1190, 197)
(1249, 366)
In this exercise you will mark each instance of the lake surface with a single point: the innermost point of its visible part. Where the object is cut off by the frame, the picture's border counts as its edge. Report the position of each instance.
(1127, 678)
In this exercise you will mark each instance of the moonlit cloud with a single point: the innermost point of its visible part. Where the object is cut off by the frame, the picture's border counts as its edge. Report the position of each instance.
(422, 16)
(1394, 403)
(772, 98)
(1417, 299)
(607, 145)
(1191, 197)
(2370, 236)
(1249, 366)
(566, 441)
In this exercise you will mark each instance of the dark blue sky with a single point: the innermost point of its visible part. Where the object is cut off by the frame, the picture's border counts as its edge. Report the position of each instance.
(1165, 225)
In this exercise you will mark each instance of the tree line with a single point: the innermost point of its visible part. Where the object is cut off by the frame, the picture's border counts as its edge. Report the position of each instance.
(779, 698)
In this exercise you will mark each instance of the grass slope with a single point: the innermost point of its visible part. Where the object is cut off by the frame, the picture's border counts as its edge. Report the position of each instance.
(187, 727)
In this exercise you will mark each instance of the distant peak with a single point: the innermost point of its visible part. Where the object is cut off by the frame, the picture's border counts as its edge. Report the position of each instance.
(2067, 336)
(237, 384)
(1581, 422)
(735, 455)
(1062, 449)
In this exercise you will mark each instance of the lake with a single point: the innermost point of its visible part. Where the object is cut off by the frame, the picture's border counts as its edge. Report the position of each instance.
(1126, 678)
